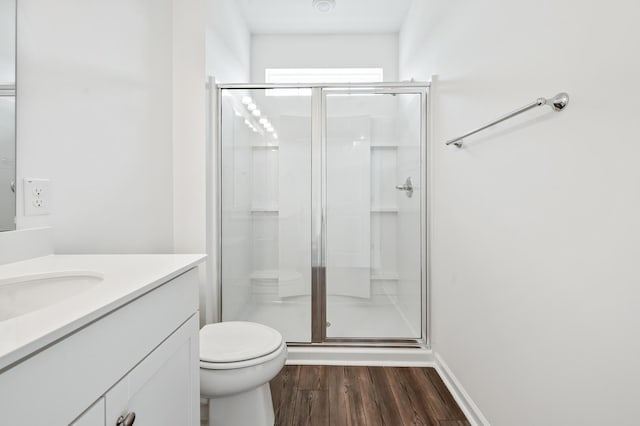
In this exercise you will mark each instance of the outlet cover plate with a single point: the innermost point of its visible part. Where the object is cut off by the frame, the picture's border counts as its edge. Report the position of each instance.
(37, 197)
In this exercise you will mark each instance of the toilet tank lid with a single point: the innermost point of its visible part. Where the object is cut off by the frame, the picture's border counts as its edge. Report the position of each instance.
(235, 341)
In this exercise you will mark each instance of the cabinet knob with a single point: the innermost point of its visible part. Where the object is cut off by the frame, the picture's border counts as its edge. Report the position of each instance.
(127, 420)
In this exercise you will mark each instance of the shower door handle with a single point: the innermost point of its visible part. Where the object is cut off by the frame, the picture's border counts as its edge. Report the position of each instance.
(407, 186)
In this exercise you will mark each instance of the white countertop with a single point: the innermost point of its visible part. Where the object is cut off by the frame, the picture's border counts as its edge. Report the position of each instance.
(126, 277)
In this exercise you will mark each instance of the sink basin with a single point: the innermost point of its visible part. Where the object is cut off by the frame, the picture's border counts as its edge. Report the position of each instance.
(28, 293)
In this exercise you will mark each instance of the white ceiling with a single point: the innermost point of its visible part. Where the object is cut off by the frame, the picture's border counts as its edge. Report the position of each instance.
(299, 17)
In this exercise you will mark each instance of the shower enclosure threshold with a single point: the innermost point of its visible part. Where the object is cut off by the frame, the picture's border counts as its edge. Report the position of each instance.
(322, 354)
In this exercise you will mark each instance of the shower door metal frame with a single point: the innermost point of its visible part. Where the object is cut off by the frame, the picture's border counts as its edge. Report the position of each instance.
(384, 89)
(318, 204)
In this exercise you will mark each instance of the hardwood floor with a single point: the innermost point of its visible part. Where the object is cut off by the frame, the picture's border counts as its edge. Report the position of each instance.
(362, 396)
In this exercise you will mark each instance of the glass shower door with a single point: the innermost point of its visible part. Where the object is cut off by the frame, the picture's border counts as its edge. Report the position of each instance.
(322, 211)
(266, 209)
(374, 220)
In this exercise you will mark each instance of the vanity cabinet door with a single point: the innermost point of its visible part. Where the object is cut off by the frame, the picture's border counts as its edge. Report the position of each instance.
(94, 416)
(164, 388)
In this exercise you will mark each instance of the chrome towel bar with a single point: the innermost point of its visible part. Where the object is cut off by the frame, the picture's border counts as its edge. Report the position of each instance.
(558, 103)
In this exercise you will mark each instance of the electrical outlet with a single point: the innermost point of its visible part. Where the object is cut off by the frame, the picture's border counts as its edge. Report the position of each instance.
(37, 197)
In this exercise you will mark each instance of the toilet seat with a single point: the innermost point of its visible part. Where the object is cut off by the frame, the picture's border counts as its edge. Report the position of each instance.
(238, 344)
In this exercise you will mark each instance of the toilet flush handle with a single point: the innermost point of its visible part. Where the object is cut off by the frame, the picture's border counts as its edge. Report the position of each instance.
(126, 420)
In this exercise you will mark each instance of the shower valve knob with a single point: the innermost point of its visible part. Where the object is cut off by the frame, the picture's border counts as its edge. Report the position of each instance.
(407, 186)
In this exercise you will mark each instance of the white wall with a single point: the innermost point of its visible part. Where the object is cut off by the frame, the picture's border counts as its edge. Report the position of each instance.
(535, 223)
(228, 42)
(189, 135)
(189, 127)
(95, 115)
(324, 51)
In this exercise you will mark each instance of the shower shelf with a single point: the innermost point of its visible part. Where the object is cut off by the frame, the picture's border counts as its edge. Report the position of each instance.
(274, 275)
(380, 209)
(265, 274)
(385, 276)
(264, 210)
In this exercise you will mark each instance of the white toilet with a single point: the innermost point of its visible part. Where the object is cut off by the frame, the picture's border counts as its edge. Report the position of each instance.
(237, 361)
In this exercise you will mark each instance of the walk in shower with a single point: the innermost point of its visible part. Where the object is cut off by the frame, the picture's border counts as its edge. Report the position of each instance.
(322, 211)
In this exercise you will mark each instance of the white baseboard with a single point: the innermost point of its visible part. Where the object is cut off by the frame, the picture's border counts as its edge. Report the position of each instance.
(391, 357)
(469, 408)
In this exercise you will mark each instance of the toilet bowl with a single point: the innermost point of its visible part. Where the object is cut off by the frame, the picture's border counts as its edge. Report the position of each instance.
(237, 361)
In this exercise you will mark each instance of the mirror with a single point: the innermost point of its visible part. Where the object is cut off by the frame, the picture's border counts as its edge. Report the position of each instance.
(7, 114)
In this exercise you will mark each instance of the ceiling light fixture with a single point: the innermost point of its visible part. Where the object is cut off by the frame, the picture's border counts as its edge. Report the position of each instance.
(324, 6)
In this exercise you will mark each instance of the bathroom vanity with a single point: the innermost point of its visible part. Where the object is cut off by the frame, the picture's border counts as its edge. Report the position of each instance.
(122, 344)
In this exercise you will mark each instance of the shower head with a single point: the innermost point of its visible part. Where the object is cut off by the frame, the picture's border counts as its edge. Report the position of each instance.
(558, 102)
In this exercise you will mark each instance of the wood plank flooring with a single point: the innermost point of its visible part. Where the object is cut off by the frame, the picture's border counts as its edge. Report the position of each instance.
(362, 396)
